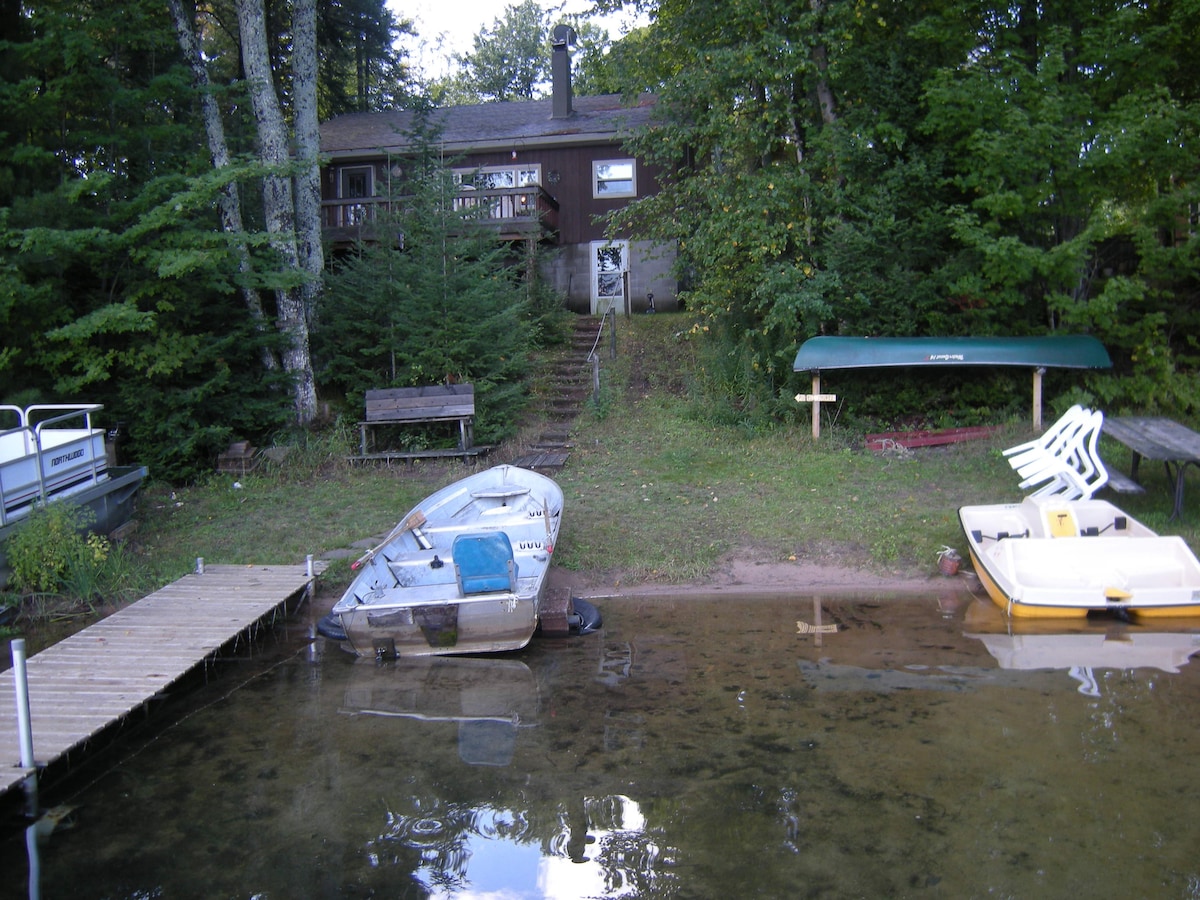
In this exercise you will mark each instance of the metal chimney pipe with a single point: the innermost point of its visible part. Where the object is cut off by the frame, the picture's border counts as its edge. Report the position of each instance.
(560, 71)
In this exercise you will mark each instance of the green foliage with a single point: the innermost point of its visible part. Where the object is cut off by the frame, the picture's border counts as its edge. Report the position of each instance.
(117, 283)
(361, 68)
(447, 306)
(508, 61)
(511, 59)
(943, 168)
(145, 316)
(52, 552)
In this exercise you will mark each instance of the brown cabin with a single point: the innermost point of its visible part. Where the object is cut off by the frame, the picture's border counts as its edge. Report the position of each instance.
(543, 169)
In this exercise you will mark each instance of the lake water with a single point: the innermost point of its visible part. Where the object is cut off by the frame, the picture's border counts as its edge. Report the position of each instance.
(696, 747)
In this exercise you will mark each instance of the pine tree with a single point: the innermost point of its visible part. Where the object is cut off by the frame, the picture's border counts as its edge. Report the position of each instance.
(434, 298)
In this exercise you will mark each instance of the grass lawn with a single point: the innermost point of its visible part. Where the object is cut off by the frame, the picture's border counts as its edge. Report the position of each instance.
(655, 491)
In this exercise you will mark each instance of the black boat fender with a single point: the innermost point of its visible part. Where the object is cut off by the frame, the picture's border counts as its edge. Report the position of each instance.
(330, 626)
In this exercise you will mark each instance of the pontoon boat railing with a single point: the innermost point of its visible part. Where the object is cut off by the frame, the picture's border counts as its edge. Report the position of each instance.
(31, 436)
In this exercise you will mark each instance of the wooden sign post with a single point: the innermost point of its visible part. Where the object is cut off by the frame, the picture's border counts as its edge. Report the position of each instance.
(1037, 398)
(816, 398)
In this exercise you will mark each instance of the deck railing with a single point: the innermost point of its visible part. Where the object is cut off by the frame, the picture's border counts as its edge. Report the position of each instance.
(514, 212)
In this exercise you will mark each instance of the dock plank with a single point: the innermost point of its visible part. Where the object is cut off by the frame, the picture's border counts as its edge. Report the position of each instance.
(93, 679)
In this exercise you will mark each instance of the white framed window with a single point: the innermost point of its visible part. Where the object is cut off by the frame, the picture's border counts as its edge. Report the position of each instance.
(494, 177)
(517, 204)
(614, 178)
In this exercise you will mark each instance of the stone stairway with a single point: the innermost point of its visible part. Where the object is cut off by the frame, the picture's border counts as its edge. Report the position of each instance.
(567, 384)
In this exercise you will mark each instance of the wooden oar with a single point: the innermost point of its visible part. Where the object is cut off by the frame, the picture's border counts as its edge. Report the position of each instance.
(413, 523)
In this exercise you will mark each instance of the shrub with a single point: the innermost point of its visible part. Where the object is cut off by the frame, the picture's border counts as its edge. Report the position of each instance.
(52, 552)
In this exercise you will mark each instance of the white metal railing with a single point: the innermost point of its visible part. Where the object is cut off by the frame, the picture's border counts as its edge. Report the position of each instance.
(32, 442)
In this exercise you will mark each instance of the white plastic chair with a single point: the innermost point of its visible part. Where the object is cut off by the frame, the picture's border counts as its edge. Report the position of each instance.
(1066, 447)
(1076, 473)
(1042, 446)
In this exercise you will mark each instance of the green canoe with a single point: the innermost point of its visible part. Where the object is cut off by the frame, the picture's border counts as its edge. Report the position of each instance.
(1076, 351)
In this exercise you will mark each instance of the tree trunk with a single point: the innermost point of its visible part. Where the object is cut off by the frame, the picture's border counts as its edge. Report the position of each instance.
(230, 203)
(308, 148)
(821, 58)
(278, 204)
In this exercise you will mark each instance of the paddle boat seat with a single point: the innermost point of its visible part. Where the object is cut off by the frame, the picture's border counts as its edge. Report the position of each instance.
(484, 564)
(1059, 521)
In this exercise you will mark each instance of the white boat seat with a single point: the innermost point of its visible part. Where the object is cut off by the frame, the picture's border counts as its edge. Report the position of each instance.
(484, 563)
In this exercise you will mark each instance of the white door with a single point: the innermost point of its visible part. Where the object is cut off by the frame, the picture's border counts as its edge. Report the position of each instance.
(610, 262)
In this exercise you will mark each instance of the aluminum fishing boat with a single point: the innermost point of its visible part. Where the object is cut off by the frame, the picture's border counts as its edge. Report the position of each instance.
(1053, 557)
(463, 572)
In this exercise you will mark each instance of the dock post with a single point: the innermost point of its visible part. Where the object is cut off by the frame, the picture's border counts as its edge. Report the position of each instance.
(25, 727)
(24, 724)
(199, 565)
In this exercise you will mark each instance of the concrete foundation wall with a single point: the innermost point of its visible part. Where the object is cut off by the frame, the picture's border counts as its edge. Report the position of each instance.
(568, 270)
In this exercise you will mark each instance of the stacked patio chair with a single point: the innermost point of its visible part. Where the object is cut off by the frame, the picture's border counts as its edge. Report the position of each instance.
(1065, 460)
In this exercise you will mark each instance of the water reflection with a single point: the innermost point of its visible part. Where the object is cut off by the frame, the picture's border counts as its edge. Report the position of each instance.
(489, 699)
(1102, 643)
(696, 747)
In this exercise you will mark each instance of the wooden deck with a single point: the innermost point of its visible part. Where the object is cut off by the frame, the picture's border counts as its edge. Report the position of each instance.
(92, 680)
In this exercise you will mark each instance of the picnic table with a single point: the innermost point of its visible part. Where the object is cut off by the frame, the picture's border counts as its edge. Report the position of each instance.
(1156, 437)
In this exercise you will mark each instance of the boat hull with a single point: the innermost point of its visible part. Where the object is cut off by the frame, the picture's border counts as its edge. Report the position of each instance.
(416, 593)
(1056, 559)
(54, 454)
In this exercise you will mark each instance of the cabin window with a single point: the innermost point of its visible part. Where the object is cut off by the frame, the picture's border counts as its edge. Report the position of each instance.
(497, 177)
(614, 178)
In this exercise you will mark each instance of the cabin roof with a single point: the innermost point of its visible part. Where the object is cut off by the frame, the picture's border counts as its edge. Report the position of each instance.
(489, 126)
(1077, 351)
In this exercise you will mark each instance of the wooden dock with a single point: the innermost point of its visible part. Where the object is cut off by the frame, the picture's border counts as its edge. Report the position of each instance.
(92, 680)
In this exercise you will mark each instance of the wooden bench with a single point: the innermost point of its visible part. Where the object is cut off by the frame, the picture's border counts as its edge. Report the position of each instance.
(419, 405)
(1122, 483)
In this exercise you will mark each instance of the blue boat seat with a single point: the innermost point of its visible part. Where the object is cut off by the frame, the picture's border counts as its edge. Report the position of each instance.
(484, 564)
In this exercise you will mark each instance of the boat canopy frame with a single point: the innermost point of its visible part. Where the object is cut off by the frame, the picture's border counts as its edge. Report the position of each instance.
(1039, 353)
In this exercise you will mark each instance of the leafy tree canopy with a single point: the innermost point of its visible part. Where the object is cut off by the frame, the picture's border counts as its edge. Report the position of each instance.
(942, 167)
(510, 60)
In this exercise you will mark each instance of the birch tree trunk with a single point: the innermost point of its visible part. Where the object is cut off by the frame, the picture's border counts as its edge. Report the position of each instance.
(229, 202)
(308, 148)
(278, 203)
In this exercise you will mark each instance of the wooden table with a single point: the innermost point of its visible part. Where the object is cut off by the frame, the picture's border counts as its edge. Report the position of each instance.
(1158, 438)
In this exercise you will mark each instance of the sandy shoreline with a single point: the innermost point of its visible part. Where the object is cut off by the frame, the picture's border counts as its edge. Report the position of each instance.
(746, 575)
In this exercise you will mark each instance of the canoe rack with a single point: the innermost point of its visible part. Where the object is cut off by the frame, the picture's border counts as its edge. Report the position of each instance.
(1037, 353)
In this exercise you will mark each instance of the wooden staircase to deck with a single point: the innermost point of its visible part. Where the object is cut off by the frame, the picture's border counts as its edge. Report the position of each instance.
(568, 384)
